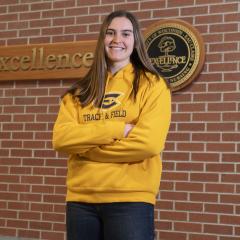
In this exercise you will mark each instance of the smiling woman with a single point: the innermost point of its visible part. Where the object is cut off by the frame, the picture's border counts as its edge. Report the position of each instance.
(113, 124)
(119, 43)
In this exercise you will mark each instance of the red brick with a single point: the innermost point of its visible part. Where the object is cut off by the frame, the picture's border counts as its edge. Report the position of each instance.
(8, 196)
(152, 5)
(180, 196)
(29, 32)
(197, 127)
(8, 34)
(206, 137)
(222, 147)
(8, 231)
(67, 38)
(63, 21)
(213, 57)
(41, 207)
(232, 56)
(11, 144)
(18, 205)
(220, 8)
(232, 36)
(203, 197)
(210, 97)
(53, 13)
(29, 15)
(216, 167)
(234, 116)
(75, 29)
(187, 227)
(190, 147)
(127, 6)
(194, 10)
(199, 2)
(29, 234)
(52, 31)
(227, 47)
(218, 229)
(223, 188)
(230, 220)
(175, 3)
(40, 23)
(176, 176)
(17, 224)
(172, 235)
(170, 12)
(229, 106)
(40, 225)
(227, 27)
(225, 127)
(202, 237)
(232, 198)
(225, 67)
(55, 180)
(40, 6)
(230, 157)
(176, 156)
(189, 187)
(16, 170)
(204, 177)
(18, 8)
(52, 235)
(189, 206)
(64, 4)
(101, 9)
(204, 218)
(231, 137)
(30, 197)
(231, 178)
(8, 17)
(87, 2)
(8, 214)
(181, 117)
(196, 107)
(210, 77)
(209, 19)
(219, 208)
(54, 198)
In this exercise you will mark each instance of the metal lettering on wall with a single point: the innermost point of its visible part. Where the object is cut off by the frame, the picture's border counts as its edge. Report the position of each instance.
(46, 61)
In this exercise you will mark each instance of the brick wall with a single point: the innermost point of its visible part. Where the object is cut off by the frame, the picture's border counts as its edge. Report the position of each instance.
(200, 190)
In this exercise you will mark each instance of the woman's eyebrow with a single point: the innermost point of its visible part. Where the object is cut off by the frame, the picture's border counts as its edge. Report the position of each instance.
(124, 30)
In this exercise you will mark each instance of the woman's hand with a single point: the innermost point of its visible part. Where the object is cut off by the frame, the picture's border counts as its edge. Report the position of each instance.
(128, 128)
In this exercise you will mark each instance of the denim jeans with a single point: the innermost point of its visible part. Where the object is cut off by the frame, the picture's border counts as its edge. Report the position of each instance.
(110, 221)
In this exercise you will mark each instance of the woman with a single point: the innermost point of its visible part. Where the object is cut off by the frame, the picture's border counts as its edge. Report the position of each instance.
(113, 124)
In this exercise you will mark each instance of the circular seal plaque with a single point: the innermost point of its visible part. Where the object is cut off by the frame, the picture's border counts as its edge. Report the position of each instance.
(176, 50)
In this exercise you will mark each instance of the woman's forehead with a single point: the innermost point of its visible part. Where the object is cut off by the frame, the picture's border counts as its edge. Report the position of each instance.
(121, 22)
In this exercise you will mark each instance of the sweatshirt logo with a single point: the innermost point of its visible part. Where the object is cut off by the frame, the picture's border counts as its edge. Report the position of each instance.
(111, 100)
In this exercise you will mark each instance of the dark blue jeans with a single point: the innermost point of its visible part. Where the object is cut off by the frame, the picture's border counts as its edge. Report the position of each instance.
(110, 221)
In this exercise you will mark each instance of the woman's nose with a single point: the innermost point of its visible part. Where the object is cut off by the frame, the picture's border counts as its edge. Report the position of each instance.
(116, 38)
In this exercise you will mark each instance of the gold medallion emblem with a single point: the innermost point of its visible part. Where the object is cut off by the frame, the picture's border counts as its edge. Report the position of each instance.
(176, 50)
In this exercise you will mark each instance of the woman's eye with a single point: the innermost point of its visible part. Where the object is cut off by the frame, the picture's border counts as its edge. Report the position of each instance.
(109, 33)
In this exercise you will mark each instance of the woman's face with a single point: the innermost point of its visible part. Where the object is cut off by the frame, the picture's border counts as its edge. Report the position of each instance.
(119, 41)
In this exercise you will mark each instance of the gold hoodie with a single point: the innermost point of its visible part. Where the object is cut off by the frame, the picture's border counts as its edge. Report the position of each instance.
(103, 165)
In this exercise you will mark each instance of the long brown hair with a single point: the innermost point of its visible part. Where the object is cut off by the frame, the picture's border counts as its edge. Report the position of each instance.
(91, 87)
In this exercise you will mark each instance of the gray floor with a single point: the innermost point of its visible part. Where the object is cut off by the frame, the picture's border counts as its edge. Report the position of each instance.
(13, 238)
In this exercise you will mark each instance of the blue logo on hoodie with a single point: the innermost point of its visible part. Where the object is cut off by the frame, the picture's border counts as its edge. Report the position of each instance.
(111, 100)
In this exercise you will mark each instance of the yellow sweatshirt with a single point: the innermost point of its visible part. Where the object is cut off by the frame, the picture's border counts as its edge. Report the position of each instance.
(103, 165)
